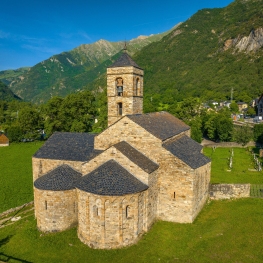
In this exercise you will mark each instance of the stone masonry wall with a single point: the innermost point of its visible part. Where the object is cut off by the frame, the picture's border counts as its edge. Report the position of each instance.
(108, 222)
(131, 100)
(55, 210)
(201, 188)
(151, 197)
(42, 166)
(175, 178)
(227, 191)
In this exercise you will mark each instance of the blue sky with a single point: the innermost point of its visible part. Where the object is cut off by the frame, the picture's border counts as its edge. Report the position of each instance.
(34, 30)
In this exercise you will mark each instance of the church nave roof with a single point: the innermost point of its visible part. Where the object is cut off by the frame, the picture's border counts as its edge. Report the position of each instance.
(162, 124)
(70, 146)
(187, 150)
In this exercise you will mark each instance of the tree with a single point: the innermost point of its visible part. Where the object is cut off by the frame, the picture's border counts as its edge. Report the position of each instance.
(196, 130)
(15, 133)
(224, 127)
(258, 133)
(30, 122)
(188, 109)
(242, 134)
(251, 111)
(234, 107)
(218, 126)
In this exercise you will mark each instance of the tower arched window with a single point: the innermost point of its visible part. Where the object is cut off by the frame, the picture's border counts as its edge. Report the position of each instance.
(119, 86)
(119, 109)
(137, 87)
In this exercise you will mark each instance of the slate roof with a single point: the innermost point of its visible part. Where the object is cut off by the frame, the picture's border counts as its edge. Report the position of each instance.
(68, 146)
(110, 179)
(162, 124)
(187, 150)
(136, 157)
(124, 61)
(60, 179)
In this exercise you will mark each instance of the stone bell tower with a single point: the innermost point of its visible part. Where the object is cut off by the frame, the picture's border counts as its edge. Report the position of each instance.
(124, 88)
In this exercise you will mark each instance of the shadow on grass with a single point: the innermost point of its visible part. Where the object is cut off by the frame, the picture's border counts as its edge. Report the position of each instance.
(7, 258)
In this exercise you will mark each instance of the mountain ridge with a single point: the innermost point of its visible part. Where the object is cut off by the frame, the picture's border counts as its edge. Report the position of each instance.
(71, 71)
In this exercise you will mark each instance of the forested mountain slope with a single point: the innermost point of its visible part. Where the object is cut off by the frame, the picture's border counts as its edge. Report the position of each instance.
(213, 51)
(6, 94)
(71, 71)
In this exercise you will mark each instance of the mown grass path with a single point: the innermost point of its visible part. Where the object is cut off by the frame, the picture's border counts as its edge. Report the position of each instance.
(16, 186)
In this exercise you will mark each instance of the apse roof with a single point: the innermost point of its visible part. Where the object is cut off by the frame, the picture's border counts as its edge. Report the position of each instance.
(60, 179)
(162, 124)
(110, 179)
(187, 150)
(136, 157)
(124, 61)
(69, 146)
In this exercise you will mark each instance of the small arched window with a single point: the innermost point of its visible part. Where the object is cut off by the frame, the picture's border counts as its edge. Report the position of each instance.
(137, 87)
(127, 211)
(46, 205)
(119, 87)
(119, 109)
(95, 211)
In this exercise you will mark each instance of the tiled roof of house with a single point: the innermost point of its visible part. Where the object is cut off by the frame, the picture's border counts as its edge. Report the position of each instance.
(124, 61)
(162, 125)
(187, 150)
(60, 179)
(3, 138)
(136, 157)
(69, 146)
(110, 179)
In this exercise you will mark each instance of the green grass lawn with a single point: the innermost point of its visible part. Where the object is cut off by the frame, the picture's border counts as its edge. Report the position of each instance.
(240, 172)
(16, 185)
(225, 231)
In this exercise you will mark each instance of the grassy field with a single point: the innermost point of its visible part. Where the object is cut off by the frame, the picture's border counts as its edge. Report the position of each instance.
(16, 174)
(225, 231)
(241, 171)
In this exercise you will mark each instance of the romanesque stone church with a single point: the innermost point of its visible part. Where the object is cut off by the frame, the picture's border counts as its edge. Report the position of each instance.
(115, 184)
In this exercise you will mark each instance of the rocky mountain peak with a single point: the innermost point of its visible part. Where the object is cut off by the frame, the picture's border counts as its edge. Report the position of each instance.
(252, 42)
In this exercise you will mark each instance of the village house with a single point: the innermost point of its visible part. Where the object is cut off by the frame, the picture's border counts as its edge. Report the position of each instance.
(114, 185)
(4, 141)
(242, 106)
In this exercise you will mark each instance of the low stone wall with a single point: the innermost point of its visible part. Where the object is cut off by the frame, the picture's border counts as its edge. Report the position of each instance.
(227, 191)
(7, 212)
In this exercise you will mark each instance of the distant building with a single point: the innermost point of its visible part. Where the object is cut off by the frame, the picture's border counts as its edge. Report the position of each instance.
(260, 105)
(242, 106)
(4, 141)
